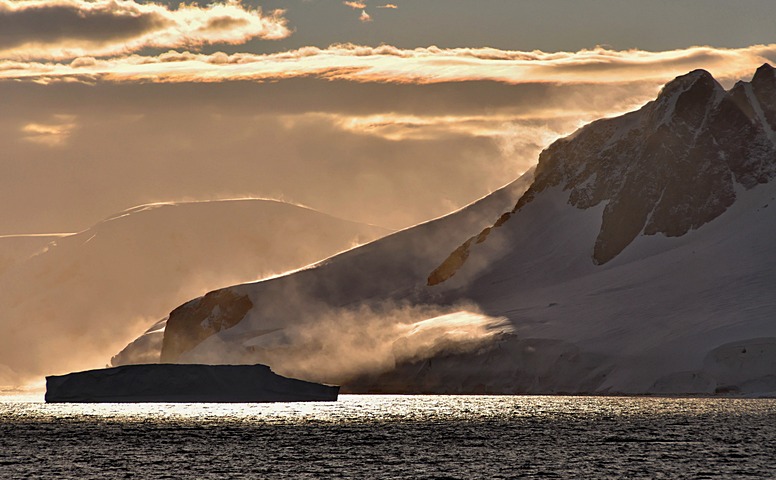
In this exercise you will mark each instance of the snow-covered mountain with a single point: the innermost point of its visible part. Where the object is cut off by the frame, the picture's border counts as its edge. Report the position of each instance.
(639, 260)
(643, 248)
(82, 297)
(381, 273)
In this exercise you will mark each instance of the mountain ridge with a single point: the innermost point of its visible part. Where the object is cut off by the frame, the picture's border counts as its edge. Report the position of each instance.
(637, 261)
(663, 134)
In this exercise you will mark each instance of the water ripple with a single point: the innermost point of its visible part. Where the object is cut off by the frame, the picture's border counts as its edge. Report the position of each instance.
(383, 436)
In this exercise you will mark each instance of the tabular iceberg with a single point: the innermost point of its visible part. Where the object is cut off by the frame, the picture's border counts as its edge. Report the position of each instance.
(183, 383)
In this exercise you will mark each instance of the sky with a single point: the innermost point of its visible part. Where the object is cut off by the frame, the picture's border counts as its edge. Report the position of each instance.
(388, 113)
(548, 25)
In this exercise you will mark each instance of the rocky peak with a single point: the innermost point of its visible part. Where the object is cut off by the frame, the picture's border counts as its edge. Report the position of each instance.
(763, 97)
(668, 168)
(685, 101)
(671, 171)
(764, 77)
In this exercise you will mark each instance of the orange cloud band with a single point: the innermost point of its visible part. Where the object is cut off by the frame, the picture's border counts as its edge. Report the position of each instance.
(66, 29)
(390, 64)
(355, 5)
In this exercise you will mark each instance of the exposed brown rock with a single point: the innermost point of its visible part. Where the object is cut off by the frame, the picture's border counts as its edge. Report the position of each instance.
(456, 259)
(193, 322)
(451, 264)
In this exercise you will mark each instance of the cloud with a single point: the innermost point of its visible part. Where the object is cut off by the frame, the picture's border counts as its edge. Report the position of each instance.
(365, 17)
(53, 133)
(402, 127)
(418, 135)
(388, 5)
(420, 131)
(355, 5)
(390, 64)
(65, 29)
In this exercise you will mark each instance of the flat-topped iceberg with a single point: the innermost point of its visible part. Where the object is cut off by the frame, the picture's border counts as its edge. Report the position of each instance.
(168, 382)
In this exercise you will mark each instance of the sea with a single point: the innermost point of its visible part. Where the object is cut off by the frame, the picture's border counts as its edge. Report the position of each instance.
(393, 436)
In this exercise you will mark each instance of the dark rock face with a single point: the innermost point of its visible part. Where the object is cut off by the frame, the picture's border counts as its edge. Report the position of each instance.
(193, 322)
(671, 166)
(668, 168)
(764, 87)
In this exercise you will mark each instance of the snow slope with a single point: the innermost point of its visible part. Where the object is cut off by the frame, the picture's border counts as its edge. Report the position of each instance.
(77, 302)
(650, 317)
(639, 260)
(378, 273)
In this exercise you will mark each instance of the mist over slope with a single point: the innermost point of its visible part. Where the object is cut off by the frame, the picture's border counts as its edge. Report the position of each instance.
(639, 260)
(377, 273)
(77, 302)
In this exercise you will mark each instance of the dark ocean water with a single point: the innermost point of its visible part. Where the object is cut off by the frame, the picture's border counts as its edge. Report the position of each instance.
(380, 436)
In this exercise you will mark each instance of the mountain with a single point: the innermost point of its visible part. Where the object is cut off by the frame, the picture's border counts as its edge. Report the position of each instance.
(84, 295)
(656, 267)
(378, 272)
(639, 260)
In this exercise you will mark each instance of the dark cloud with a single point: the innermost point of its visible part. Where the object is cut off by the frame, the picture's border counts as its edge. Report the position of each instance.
(63, 29)
(52, 22)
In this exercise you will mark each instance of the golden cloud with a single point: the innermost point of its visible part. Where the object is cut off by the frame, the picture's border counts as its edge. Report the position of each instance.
(400, 127)
(66, 29)
(390, 64)
(53, 133)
